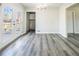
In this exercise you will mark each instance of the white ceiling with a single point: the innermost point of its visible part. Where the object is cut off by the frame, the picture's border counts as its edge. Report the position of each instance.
(32, 5)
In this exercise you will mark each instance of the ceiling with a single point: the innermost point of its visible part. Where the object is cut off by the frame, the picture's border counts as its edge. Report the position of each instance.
(32, 5)
(74, 6)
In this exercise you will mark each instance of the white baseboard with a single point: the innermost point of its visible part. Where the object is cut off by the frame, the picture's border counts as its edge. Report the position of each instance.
(75, 32)
(46, 32)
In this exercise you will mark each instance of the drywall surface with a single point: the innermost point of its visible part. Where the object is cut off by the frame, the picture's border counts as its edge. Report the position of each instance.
(14, 16)
(69, 21)
(62, 19)
(47, 20)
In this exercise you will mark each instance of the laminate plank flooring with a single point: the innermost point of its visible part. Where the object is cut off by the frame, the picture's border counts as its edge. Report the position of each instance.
(33, 44)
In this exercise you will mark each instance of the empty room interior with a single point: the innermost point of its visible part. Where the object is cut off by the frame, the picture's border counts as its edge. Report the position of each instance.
(39, 29)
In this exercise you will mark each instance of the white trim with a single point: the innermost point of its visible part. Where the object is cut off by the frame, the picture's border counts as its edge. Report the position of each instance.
(46, 32)
(72, 32)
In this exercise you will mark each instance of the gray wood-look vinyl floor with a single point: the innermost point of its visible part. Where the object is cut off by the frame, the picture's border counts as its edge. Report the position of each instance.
(43, 45)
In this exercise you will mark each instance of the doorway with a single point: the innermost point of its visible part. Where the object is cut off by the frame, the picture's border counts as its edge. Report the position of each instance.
(73, 21)
(31, 20)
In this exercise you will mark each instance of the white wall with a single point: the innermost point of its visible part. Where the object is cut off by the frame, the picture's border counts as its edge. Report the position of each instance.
(16, 8)
(76, 20)
(27, 22)
(62, 19)
(62, 22)
(22, 25)
(69, 22)
(47, 20)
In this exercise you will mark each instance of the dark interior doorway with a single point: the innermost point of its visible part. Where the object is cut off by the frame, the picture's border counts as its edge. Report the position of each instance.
(31, 20)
